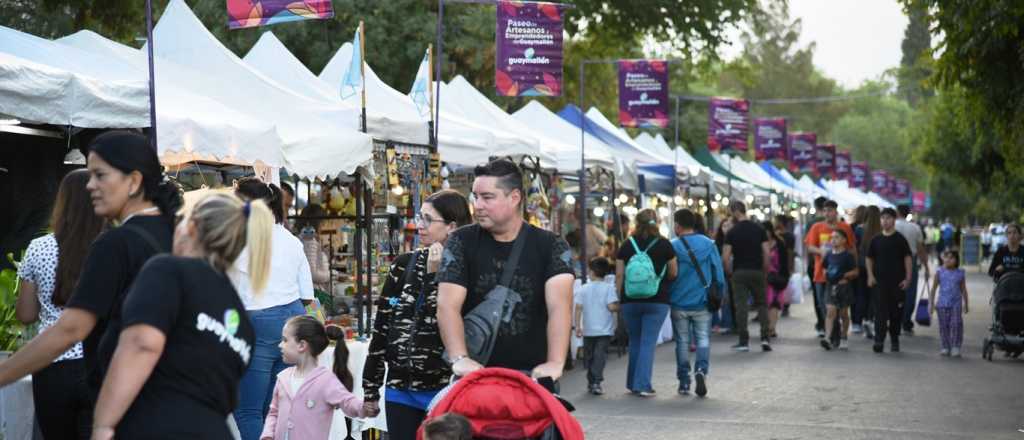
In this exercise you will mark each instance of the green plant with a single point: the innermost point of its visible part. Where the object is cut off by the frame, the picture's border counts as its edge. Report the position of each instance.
(10, 328)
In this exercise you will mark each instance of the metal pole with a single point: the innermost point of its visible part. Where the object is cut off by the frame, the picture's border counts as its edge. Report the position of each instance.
(357, 253)
(152, 76)
(437, 69)
(583, 181)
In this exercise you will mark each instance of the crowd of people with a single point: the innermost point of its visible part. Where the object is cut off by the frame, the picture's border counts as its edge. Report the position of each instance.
(159, 322)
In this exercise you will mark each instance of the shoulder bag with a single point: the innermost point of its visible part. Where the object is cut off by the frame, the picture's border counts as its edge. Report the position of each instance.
(714, 296)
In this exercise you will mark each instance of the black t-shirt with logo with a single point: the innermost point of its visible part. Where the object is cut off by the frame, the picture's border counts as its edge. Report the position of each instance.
(746, 238)
(1011, 261)
(661, 253)
(474, 259)
(194, 386)
(888, 253)
(114, 260)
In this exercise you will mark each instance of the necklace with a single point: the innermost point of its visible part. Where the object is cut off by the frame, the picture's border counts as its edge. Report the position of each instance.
(141, 211)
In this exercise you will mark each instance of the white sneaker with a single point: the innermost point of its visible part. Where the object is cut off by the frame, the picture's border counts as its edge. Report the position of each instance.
(955, 352)
(857, 329)
(944, 352)
(844, 345)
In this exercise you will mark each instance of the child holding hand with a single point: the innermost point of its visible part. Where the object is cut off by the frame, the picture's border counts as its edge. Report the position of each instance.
(306, 394)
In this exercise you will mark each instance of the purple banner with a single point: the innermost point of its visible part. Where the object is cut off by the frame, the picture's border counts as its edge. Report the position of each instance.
(880, 182)
(251, 13)
(903, 190)
(801, 152)
(859, 175)
(825, 156)
(529, 49)
(770, 139)
(843, 165)
(919, 199)
(643, 93)
(727, 124)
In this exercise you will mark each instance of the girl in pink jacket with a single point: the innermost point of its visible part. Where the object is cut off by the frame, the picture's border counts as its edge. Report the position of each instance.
(306, 394)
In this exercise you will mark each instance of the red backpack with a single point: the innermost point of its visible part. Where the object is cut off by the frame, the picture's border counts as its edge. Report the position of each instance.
(503, 404)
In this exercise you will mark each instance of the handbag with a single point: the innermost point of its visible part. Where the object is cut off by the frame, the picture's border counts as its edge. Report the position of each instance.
(714, 296)
(484, 321)
(923, 316)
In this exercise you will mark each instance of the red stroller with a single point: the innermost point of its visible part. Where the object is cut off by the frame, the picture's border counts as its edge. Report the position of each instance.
(503, 404)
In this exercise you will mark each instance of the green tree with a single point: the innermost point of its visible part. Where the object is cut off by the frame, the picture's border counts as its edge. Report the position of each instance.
(916, 64)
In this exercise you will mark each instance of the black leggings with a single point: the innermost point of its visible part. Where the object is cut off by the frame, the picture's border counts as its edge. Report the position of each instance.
(63, 401)
(403, 421)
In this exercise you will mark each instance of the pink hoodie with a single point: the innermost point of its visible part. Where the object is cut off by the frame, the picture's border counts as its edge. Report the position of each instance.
(307, 415)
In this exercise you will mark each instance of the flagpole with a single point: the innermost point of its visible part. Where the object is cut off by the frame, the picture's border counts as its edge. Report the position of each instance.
(430, 95)
(152, 76)
(362, 69)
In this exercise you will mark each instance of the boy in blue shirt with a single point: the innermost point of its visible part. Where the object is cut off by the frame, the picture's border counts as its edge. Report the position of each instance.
(840, 270)
(689, 298)
(595, 323)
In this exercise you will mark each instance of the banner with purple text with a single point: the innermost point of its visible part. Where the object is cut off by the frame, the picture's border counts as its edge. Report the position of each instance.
(918, 202)
(727, 124)
(825, 156)
(252, 13)
(843, 165)
(770, 138)
(801, 152)
(529, 49)
(859, 175)
(880, 182)
(643, 93)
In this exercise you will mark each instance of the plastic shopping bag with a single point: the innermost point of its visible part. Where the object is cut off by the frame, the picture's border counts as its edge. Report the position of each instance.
(796, 288)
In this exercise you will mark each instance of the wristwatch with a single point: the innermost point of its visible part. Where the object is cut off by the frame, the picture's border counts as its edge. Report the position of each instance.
(457, 359)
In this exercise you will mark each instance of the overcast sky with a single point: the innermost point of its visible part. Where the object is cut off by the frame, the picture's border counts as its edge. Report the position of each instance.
(856, 39)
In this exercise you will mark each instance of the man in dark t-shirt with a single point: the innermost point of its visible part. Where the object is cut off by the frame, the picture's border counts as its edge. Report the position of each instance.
(746, 256)
(537, 337)
(888, 263)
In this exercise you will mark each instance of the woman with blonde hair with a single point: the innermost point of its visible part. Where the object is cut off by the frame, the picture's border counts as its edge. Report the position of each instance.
(187, 341)
(644, 308)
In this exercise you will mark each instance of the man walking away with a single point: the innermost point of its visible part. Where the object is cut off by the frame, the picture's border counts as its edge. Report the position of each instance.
(888, 264)
(536, 338)
(689, 298)
(918, 257)
(746, 257)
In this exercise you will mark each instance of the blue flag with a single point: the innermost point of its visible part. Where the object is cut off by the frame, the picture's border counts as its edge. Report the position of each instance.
(352, 82)
(420, 92)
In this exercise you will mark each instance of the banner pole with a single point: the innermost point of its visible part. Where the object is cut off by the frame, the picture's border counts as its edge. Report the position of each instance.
(362, 69)
(152, 76)
(583, 179)
(439, 70)
(430, 96)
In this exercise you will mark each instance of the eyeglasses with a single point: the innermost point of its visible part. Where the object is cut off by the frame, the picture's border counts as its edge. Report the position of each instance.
(425, 220)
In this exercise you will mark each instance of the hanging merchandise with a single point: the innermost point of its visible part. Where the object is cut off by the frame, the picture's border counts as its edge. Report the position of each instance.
(643, 93)
(529, 49)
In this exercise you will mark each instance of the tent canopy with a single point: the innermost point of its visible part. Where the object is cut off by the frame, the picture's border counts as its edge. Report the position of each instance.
(621, 148)
(320, 139)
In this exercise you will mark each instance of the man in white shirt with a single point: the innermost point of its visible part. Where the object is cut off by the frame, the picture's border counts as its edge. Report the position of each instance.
(919, 253)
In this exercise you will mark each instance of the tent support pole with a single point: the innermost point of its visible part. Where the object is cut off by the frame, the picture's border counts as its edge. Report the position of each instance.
(152, 75)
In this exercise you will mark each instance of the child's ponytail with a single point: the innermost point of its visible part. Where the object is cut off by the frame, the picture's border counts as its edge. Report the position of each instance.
(340, 368)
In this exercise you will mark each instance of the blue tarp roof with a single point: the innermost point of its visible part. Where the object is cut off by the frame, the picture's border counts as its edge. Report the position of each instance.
(775, 174)
(572, 115)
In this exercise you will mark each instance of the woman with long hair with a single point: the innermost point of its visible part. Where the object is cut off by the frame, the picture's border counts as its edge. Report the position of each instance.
(47, 277)
(127, 186)
(289, 287)
(777, 277)
(863, 307)
(721, 322)
(643, 312)
(405, 333)
(186, 341)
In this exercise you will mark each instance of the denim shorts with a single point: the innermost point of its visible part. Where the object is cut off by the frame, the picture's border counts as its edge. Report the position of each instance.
(839, 295)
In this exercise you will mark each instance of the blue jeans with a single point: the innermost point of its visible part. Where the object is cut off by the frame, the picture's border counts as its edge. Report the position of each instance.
(257, 387)
(699, 323)
(643, 323)
(723, 318)
(911, 301)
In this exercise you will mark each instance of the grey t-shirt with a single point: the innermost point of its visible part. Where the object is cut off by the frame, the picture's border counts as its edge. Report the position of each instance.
(595, 296)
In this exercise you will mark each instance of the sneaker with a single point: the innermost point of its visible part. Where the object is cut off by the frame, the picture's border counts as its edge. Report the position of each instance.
(785, 312)
(895, 348)
(909, 331)
(743, 348)
(648, 393)
(684, 390)
(844, 344)
(877, 348)
(858, 329)
(821, 334)
(702, 387)
(826, 345)
(869, 330)
(955, 352)
(765, 345)
(596, 390)
(944, 352)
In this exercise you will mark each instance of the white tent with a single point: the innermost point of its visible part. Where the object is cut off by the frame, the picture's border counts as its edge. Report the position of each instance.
(44, 82)
(190, 126)
(638, 153)
(506, 143)
(477, 108)
(319, 139)
(534, 114)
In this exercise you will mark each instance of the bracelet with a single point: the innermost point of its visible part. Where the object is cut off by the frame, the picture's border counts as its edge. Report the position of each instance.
(459, 358)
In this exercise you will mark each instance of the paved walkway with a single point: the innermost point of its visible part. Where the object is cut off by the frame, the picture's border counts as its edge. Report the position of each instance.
(799, 391)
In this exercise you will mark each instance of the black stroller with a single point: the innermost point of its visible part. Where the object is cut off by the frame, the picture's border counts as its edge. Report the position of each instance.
(1007, 331)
